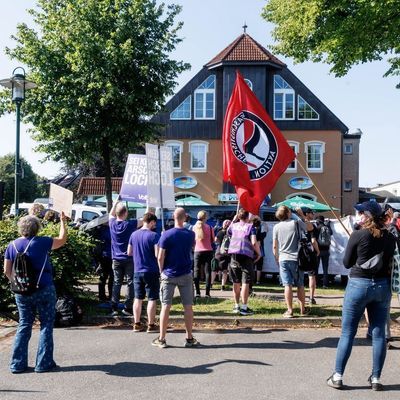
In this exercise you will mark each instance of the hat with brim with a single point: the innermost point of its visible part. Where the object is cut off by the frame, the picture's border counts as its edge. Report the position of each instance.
(372, 207)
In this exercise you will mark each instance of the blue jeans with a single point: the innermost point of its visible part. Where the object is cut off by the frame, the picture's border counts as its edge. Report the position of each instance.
(122, 268)
(42, 301)
(374, 295)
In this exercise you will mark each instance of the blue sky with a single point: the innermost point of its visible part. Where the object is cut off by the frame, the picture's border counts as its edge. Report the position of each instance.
(362, 99)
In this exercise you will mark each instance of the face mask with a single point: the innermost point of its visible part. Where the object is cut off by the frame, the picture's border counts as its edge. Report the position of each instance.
(360, 219)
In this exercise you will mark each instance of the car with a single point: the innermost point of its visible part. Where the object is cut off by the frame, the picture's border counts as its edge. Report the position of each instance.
(84, 213)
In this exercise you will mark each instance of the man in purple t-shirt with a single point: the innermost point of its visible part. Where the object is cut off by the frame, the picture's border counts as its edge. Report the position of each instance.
(175, 265)
(244, 251)
(143, 246)
(121, 230)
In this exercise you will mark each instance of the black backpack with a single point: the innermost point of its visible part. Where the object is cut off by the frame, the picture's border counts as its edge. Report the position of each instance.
(324, 237)
(23, 276)
(224, 247)
(306, 256)
(68, 312)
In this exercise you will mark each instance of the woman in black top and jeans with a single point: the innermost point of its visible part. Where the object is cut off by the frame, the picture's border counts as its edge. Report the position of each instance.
(368, 254)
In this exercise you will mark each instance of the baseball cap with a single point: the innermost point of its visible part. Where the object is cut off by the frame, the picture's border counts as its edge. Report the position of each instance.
(307, 210)
(370, 206)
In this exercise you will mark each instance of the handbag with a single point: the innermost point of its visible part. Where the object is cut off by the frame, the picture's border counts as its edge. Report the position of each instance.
(395, 271)
(373, 264)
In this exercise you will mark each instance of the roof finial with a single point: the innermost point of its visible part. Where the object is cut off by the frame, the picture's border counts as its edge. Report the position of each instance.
(244, 27)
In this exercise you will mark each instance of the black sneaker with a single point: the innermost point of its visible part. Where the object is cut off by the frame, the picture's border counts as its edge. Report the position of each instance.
(334, 384)
(312, 300)
(192, 342)
(161, 343)
(127, 312)
(247, 311)
(376, 386)
(114, 313)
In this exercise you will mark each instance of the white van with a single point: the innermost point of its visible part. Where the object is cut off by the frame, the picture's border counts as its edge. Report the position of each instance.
(86, 213)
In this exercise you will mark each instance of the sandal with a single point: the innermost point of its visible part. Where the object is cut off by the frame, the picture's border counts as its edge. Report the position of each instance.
(287, 314)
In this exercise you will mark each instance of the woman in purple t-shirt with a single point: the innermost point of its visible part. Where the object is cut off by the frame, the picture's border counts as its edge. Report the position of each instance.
(43, 299)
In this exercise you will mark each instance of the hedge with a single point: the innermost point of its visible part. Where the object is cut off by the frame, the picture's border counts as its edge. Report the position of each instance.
(72, 262)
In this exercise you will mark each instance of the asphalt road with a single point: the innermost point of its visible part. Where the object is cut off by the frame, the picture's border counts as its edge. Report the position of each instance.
(237, 364)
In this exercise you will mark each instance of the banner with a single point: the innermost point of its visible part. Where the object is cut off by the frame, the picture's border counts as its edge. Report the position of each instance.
(134, 182)
(61, 199)
(255, 153)
(154, 156)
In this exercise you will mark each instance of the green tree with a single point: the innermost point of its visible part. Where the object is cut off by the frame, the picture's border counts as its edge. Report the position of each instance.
(102, 69)
(341, 33)
(28, 189)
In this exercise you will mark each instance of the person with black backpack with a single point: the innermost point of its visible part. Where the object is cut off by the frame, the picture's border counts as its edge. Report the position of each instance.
(29, 270)
(222, 241)
(324, 237)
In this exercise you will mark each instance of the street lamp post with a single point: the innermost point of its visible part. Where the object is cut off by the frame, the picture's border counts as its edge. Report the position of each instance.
(18, 84)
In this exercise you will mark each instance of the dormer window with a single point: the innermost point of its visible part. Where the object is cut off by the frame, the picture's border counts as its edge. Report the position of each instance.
(283, 99)
(305, 111)
(183, 111)
(204, 99)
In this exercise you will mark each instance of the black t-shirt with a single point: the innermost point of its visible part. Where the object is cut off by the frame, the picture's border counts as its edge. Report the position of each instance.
(362, 246)
(312, 234)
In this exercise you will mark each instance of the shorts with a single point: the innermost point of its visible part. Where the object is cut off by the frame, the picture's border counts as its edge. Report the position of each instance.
(147, 284)
(184, 284)
(241, 269)
(313, 272)
(290, 273)
(258, 266)
(223, 261)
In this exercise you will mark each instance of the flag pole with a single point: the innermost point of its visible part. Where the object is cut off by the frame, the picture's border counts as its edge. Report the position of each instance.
(323, 197)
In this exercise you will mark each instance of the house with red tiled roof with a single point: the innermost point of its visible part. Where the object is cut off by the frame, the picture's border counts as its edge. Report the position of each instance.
(193, 123)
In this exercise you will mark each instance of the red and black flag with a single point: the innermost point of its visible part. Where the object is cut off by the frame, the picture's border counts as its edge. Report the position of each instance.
(255, 153)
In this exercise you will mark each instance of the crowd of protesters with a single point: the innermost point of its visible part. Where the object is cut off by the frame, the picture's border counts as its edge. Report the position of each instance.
(154, 266)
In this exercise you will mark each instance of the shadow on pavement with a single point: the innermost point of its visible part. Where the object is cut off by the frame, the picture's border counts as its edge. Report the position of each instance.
(142, 370)
(387, 388)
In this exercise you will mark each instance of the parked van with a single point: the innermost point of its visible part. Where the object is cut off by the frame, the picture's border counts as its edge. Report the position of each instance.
(84, 213)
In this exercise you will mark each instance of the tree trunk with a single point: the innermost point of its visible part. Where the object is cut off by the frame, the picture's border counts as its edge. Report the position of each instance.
(107, 172)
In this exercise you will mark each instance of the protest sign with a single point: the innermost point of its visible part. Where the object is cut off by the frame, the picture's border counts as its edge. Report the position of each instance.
(160, 190)
(60, 199)
(134, 182)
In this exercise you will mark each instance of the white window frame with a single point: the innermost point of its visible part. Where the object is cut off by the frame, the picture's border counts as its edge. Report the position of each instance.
(344, 148)
(284, 92)
(301, 194)
(179, 144)
(296, 146)
(190, 110)
(298, 110)
(345, 189)
(203, 143)
(205, 92)
(310, 143)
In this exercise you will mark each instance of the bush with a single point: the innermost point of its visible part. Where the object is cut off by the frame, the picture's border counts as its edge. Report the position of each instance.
(72, 262)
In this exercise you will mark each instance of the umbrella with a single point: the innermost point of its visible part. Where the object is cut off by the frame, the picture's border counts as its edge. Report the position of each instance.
(191, 201)
(130, 204)
(298, 201)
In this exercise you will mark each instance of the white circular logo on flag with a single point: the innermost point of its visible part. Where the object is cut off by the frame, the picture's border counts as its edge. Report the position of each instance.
(253, 144)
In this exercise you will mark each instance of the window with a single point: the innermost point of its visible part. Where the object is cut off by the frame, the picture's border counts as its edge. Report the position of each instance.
(283, 99)
(89, 215)
(198, 156)
(293, 166)
(348, 185)
(302, 194)
(305, 111)
(249, 83)
(204, 99)
(348, 148)
(183, 111)
(315, 156)
(176, 148)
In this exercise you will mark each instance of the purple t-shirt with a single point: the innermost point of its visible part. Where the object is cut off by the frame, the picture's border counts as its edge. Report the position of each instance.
(37, 252)
(120, 232)
(178, 244)
(240, 238)
(143, 242)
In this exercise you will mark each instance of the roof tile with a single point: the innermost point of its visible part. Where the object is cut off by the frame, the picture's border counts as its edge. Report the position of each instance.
(96, 186)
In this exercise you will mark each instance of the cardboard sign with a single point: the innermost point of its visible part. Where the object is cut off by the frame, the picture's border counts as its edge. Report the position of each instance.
(156, 184)
(60, 199)
(134, 183)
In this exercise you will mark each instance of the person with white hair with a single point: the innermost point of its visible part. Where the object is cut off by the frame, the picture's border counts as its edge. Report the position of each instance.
(43, 299)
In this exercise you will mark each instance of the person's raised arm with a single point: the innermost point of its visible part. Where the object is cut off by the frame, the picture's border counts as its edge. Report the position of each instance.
(308, 224)
(113, 208)
(62, 236)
